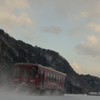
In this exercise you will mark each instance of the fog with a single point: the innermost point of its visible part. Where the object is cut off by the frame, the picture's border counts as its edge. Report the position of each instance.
(7, 93)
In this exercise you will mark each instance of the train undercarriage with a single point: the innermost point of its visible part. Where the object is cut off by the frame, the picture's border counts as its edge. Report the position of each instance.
(38, 91)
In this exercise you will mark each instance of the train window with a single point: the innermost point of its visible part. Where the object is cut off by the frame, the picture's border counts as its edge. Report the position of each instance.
(33, 71)
(51, 77)
(54, 79)
(25, 73)
(17, 71)
(48, 76)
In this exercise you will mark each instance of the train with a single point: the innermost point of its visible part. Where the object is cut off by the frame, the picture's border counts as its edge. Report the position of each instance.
(38, 78)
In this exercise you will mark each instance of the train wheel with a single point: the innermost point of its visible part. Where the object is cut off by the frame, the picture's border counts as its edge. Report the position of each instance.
(61, 92)
(22, 89)
(47, 92)
(38, 92)
(57, 92)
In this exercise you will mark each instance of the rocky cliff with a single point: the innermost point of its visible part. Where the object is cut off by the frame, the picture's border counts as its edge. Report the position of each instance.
(13, 51)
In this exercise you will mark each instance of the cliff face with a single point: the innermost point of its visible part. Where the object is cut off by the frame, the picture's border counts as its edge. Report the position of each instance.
(93, 81)
(13, 51)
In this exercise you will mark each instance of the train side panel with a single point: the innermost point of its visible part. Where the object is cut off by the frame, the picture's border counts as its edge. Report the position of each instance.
(55, 81)
(45, 79)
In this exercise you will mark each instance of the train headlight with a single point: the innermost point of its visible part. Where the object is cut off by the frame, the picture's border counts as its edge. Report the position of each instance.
(32, 80)
(16, 79)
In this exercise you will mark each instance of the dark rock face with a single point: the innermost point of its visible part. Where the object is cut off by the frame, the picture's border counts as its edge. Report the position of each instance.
(13, 51)
(93, 81)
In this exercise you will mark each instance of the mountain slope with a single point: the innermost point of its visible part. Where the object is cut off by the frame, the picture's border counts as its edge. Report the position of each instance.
(13, 51)
(93, 81)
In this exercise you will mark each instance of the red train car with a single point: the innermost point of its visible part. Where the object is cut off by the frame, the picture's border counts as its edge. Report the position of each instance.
(38, 77)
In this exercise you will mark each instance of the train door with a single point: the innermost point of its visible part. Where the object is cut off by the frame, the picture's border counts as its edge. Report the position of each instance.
(25, 75)
(42, 78)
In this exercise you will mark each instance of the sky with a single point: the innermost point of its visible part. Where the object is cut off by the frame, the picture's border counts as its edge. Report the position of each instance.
(69, 27)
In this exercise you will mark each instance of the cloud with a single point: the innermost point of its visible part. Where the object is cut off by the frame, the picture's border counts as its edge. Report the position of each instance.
(10, 20)
(74, 16)
(9, 16)
(76, 67)
(52, 29)
(91, 46)
(93, 9)
(72, 9)
(94, 27)
(7, 6)
(69, 8)
(17, 4)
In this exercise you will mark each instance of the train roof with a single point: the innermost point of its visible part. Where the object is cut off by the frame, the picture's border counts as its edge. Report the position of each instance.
(49, 68)
(25, 64)
(38, 65)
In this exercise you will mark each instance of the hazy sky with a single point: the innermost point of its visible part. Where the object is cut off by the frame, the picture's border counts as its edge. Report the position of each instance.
(70, 27)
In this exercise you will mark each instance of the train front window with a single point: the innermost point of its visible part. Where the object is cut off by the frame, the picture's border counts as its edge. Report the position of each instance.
(33, 72)
(17, 71)
(25, 73)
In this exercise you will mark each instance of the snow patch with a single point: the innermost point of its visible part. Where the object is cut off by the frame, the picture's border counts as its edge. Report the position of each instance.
(48, 57)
